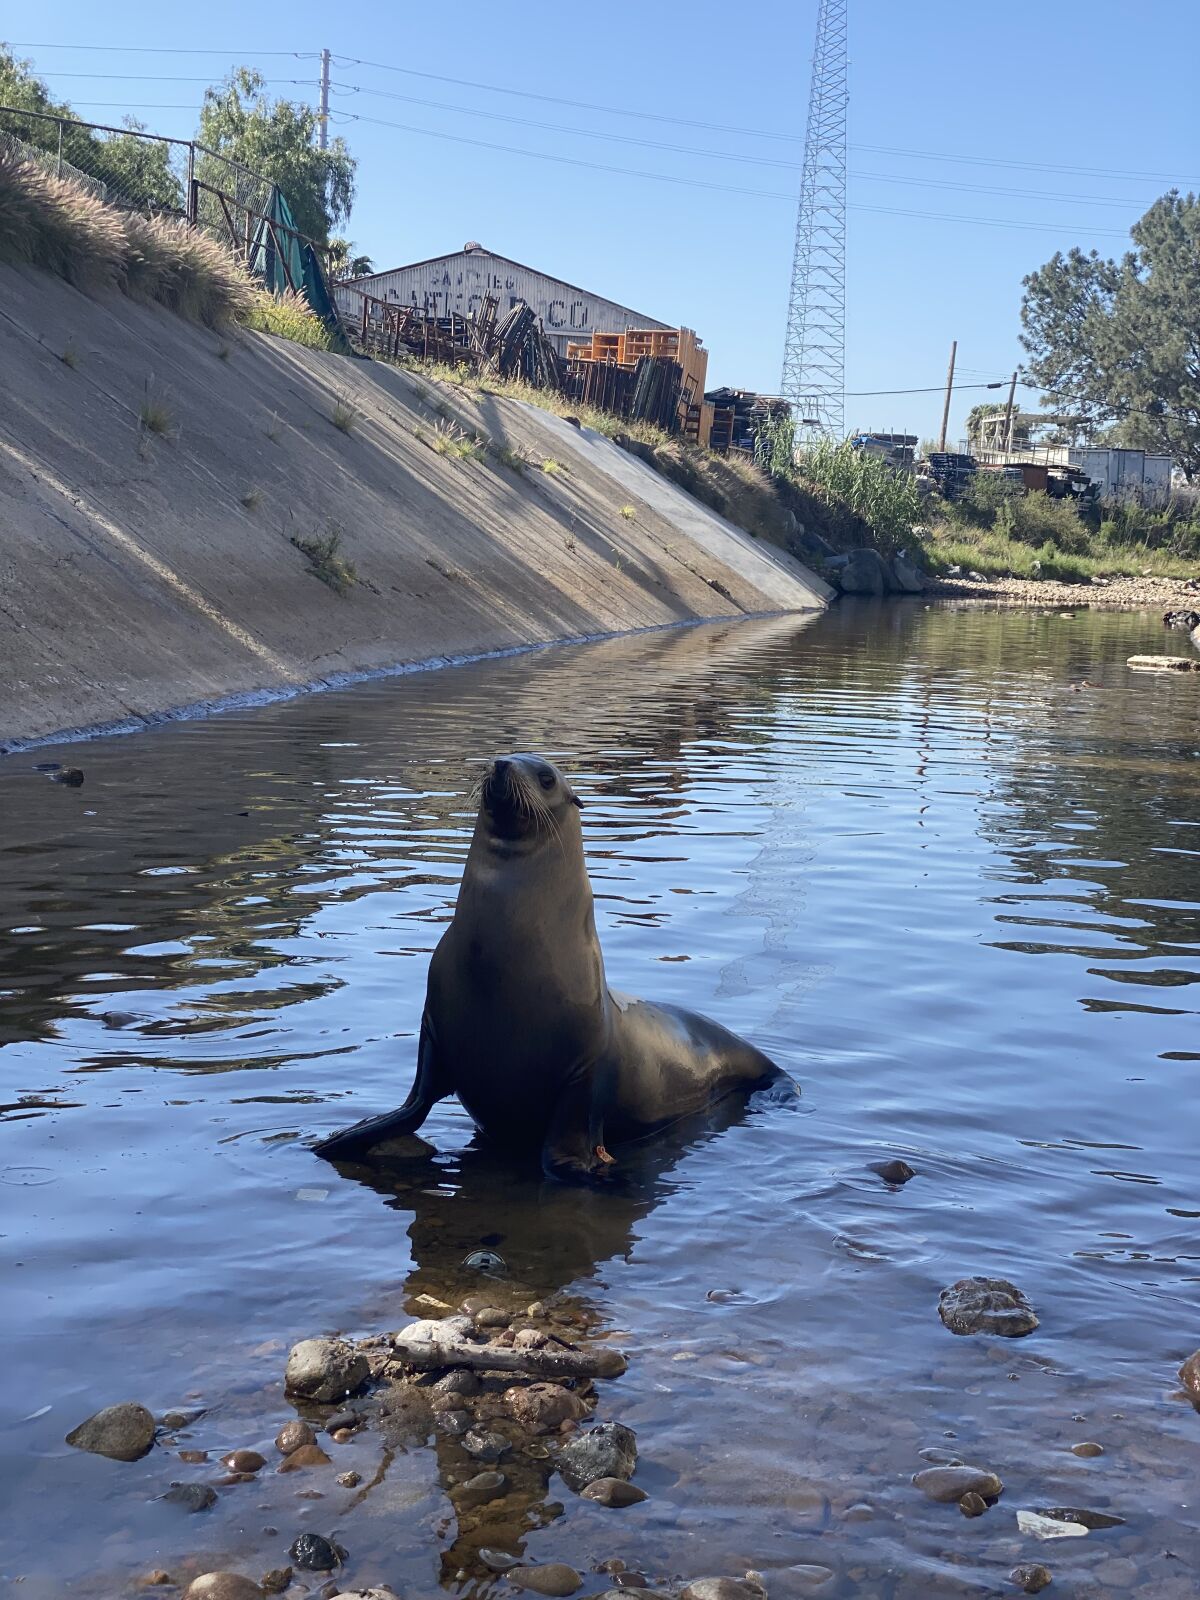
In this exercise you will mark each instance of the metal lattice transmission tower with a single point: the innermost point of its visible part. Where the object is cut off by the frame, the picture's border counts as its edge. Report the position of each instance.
(814, 353)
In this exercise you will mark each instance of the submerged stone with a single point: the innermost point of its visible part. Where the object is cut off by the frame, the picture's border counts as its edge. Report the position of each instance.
(986, 1305)
(123, 1432)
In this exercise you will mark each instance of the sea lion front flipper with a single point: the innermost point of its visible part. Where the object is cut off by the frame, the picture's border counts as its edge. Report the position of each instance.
(573, 1150)
(430, 1086)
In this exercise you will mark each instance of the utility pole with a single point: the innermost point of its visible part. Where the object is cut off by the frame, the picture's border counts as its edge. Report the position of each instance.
(949, 391)
(1009, 419)
(323, 114)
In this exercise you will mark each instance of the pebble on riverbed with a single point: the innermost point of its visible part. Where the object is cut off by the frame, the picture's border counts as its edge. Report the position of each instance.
(308, 1455)
(313, 1553)
(222, 1586)
(1031, 1579)
(607, 1451)
(614, 1492)
(124, 1432)
(191, 1496)
(986, 1305)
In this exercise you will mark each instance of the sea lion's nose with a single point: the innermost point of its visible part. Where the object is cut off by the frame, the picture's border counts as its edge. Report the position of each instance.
(501, 765)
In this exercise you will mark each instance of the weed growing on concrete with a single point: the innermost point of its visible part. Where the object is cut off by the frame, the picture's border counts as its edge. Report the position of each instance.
(345, 415)
(252, 499)
(510, 456)
(570, 544)
(155, 416)
(325, 560)
(628, 512)
(223, 352)
(70, 356)
(275, 431)
(451, 441)
(551, 467)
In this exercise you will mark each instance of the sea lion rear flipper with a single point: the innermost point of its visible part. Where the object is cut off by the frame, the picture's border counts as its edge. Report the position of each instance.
(573, 1150)
(431, 1085)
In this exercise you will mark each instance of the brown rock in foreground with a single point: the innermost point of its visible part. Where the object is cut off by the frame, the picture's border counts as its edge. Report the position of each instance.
(554, 1578)
(613, 1492)
(325, 1369)
(946, 1484)
(123, 1432)
(1031, 1579)
(986, 1305)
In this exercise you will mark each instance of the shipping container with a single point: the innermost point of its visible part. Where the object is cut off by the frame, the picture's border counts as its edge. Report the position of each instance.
(1121, 474)
(458, 283)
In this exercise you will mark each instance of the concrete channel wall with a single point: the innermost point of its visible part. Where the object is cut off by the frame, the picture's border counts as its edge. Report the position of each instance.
(145, 571)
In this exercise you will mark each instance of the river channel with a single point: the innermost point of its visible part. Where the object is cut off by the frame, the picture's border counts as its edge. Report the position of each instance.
(942, 864)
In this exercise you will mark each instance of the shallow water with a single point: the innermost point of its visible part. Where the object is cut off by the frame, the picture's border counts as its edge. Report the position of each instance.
(952, 892)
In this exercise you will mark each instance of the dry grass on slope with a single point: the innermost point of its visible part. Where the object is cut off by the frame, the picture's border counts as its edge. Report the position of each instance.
(52, 223)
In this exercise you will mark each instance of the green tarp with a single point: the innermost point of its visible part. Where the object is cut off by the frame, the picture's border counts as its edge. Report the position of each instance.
(282, 262)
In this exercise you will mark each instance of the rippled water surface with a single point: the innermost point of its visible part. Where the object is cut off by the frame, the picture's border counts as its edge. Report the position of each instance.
(944, 866)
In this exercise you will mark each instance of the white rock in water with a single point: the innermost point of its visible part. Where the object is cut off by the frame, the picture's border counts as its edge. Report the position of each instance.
(437, 1330)
(1049, 1527)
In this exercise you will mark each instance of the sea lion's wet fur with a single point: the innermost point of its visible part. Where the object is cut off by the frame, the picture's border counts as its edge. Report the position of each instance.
(519, 1021)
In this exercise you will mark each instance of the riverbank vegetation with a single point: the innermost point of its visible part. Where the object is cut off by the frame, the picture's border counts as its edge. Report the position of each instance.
(997, 529)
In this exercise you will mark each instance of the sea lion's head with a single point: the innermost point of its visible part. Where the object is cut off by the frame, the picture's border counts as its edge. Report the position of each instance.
(524, 797)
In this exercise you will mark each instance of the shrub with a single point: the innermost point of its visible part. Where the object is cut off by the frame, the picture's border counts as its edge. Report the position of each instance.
(451, 441)
(510, 456)
(172, 265)
(628, 512)
(1036, 519)
(155, 415)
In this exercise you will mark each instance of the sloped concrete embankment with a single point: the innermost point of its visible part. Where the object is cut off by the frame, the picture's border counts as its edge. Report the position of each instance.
(143, 571)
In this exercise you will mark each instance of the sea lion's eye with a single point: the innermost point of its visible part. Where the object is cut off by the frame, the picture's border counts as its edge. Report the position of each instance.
(546, 779)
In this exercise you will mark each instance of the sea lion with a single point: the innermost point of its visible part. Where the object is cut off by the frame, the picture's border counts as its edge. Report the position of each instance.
(519, 1020)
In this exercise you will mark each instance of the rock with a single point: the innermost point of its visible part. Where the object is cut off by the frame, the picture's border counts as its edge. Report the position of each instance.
(308, 1455)
(972, 1504)
(945, 1484)
(810, 1576)
(222, 1586)
(73, 778)
(543, 1407)
(909, 577)
(459, 1382)
(1078, 1514)
(866, 572)
(325, 1369)
(193, 1457)
(477, 1491)
(1048, 1527)
(1031, 1579)
(893, 1171)
(191, 1496)
(178, 1419)
(244, 1461)
(1189, 1377)
(312, 1553)
(340, 1421)
(986, 1305)
(613, 1492)
(277, 1580)
(123, 1432)
(497, 1560)
(349, 1480)
(553, 1578)
(723, 1589)
(608, 1451)
(492, 1317)
(1171, 619)
(292, 1435)
(485, 1445)
(155, 1579)
(455, 1423)
(1088, 1448)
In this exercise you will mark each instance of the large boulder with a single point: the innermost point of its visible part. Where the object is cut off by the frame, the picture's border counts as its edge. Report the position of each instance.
(866, 572)
(123, 1432)
(222, 1586)
(325, 1370)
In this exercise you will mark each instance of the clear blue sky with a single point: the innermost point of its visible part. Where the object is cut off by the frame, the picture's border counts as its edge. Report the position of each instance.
(1104, 85)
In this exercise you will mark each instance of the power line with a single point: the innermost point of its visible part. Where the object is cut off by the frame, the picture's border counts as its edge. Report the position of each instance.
(702, 183)
(629, 111)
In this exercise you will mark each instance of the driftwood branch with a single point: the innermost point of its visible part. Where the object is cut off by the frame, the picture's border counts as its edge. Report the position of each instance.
(430, 1355)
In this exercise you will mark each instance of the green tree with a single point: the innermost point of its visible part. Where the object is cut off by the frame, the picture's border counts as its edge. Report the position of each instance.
(134, 171)
(277, 140)
(1118, 343)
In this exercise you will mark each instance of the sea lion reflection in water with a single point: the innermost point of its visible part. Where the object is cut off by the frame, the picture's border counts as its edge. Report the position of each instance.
(519, 1020)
